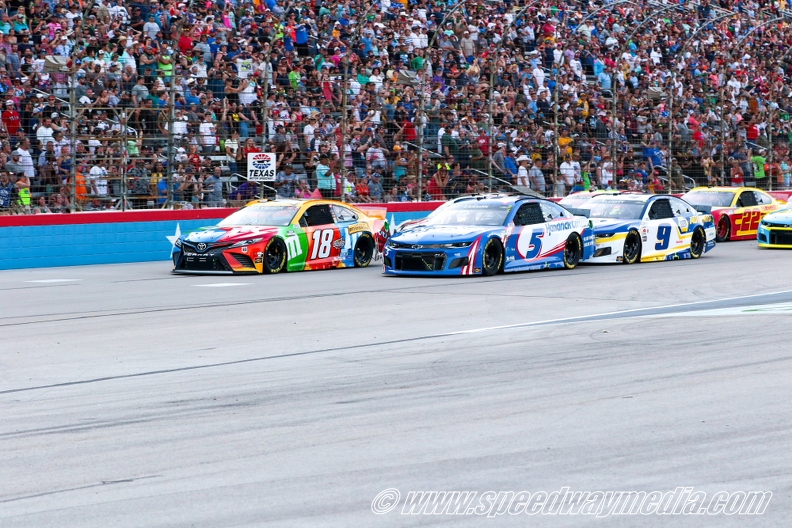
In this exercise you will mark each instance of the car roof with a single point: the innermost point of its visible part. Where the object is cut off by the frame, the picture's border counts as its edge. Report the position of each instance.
(723, 189)
(635, 198)
(499, 198)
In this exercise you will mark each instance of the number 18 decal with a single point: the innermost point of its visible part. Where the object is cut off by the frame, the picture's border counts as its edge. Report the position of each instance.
(322, 243)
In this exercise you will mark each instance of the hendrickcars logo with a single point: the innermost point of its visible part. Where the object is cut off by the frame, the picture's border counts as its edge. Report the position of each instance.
(261, 166)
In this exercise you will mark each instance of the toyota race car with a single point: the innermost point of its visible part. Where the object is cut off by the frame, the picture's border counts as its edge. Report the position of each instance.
(633, 228)
(775, 229)
(736, 210)
(482, 235)
(284, 235)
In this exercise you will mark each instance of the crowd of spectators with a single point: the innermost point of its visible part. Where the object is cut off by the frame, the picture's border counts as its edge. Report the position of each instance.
(125, 104)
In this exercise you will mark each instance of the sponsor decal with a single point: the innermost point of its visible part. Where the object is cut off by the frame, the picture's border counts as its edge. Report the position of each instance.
(261, 166)
(244, 249)
(683, 224)
(257, 261)
(619, 259)
(201, 247)
(477, 270)
(339, 243)
(553, 227)
(355, 228)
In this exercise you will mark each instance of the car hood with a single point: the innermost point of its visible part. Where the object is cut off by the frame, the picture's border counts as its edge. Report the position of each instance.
(228, 234)
(610, 225)
(439, 234)
(783, 216)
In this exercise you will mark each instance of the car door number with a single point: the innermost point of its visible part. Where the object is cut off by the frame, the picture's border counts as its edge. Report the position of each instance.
(664, 237)
(322, 243)
(749, 221)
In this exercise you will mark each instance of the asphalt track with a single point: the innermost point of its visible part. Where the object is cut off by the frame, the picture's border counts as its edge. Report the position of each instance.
(130, 397)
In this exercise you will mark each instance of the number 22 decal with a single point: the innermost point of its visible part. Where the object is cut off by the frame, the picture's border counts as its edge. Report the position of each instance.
(322, 243)
(664, 236)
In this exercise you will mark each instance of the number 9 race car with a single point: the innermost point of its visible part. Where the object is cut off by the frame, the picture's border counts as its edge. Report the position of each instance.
(736, 210)
(270, 236)
(633, 228)
(486, 234)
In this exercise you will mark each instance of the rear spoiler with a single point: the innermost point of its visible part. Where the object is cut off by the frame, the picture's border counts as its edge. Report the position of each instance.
(379, 213)
(579, 212)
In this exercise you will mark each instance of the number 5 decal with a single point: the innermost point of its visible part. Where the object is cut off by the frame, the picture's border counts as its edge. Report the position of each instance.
(535, 246)
(322, 240)
(664, 236)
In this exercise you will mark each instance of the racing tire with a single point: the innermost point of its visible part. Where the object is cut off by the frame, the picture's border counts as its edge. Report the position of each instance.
(632, 248)
(492, 257)
(723, 232)
(697, 243)
(573, 251)
(364, 250)
(275, 256)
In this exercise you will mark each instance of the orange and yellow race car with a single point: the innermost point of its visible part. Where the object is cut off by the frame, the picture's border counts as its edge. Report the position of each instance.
(737, 210)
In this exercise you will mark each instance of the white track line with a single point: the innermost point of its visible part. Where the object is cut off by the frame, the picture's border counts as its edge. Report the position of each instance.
(577, 318)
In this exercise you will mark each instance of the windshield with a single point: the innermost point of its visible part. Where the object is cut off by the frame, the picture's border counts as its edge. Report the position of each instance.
(619, 209)
(711, 198)
(261, 215)
(473, 213)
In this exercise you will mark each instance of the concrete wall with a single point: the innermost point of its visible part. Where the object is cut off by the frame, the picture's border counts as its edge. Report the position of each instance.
(40, 241)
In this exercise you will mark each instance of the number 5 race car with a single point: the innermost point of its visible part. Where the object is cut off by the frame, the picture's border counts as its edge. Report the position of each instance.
(633, 228)
(736, 210)
(482, 235)
(284, 235)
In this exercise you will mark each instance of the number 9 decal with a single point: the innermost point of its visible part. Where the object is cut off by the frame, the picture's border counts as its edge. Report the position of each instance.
(664, 236)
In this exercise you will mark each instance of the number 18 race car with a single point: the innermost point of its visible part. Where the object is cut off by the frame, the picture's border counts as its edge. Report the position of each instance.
(633, 228)
(737, 210)
(482, 235)
(284, 235)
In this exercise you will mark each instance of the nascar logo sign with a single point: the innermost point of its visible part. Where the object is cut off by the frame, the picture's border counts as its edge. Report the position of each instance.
(261, 166)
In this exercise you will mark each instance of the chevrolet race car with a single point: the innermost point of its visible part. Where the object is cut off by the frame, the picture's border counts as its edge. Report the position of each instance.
(736, 210)
(775, 229)
(270, 236)
(486, 234)
(631, 228)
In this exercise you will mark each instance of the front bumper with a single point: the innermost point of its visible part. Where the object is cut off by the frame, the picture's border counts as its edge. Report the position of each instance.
(607, 250)
(433, 262)
(216, 261)
(774, 237)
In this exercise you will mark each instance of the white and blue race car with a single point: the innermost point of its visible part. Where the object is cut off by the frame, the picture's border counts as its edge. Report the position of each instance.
(487, 234)
(631, 228)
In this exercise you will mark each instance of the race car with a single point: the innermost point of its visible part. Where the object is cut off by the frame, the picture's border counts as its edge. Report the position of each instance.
(631, 228)
(486, 234)
(736, 210)
(271, 236)
(775, 229)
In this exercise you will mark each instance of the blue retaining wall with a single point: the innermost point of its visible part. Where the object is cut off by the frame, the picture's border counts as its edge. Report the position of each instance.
(42, 246)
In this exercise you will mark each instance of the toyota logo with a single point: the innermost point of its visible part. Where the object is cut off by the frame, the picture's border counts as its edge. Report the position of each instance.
(201, 247)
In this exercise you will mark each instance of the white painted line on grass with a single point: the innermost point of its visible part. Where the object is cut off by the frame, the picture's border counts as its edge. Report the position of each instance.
(47, 281)
(220, 284)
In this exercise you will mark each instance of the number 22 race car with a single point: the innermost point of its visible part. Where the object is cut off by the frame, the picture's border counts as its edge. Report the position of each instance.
(284, 235)
(737, 210)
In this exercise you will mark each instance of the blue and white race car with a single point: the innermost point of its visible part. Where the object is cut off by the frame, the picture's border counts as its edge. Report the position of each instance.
(486, 234)
(633, 228)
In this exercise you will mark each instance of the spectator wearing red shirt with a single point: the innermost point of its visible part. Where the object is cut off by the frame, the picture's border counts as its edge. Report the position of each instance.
(11, 120)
